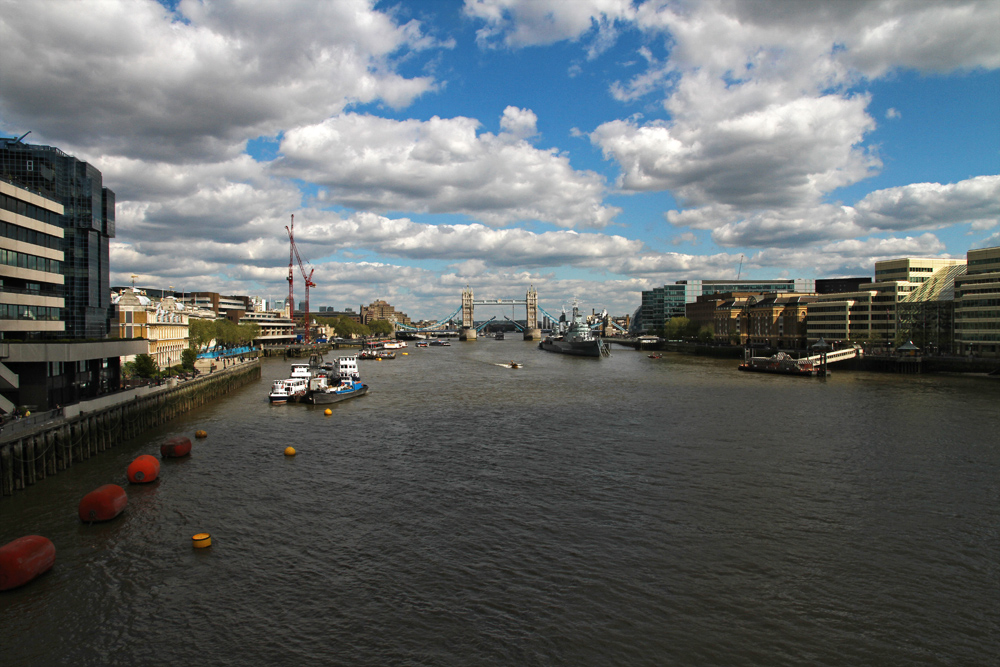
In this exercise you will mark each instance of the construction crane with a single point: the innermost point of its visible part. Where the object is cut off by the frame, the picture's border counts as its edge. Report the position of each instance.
(294, 251)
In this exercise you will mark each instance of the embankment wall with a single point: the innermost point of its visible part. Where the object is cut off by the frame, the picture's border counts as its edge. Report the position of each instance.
(31, 456)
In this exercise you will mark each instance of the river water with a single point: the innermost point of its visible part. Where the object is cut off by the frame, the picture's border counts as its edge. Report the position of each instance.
(619, 511)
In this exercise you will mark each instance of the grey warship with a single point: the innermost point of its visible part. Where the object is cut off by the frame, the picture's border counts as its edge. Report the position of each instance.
(576, 339)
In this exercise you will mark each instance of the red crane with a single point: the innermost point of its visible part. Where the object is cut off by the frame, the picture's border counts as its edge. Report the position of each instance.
(306, 277)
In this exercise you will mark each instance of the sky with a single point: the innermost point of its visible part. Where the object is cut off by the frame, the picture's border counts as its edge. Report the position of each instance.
(592, 149)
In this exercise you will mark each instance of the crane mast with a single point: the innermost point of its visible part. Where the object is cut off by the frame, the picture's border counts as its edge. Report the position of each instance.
(291, 245)
(307, 278)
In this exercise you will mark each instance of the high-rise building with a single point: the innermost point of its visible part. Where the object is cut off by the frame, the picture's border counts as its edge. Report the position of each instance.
(88, 222)
(977, 304)
(31, 280)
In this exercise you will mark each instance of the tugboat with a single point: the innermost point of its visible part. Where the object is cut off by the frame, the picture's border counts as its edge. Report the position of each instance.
(342, 383)
(577, 339)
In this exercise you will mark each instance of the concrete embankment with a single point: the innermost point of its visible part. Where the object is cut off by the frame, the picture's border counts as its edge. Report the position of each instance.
(84, 430)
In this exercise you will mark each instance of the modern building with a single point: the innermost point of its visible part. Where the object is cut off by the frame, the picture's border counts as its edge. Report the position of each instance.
(275, 328)
(88, 222)
(39, 369)
(977, 304)
(31, 300)
(660, 305)
(695, 288)
(913, 270)
(838, 285)
(218, 303)
(881, 313)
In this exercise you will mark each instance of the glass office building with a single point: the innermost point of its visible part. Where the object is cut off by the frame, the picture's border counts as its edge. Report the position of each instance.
(88, 222)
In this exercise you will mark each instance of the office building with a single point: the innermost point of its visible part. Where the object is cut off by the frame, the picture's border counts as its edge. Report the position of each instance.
(977, 304)
(88, 222)
(37, 371)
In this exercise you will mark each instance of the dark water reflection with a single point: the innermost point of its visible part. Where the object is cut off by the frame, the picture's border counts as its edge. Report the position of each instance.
(624, 511)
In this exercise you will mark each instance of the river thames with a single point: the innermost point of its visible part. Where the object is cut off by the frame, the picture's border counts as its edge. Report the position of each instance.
(619, 511)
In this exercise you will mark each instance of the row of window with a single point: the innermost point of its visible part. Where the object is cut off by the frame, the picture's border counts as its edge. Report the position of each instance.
(17, 233)
(976, 303)
(977, 314)
(25, 261)
(13, 311)
(968, 338)
(978, 326)
(15, 205)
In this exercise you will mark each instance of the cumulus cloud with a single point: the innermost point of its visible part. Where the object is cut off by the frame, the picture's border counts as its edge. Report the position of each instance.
(443, 166)
(520, 23)
(914, 207)
(135, 79)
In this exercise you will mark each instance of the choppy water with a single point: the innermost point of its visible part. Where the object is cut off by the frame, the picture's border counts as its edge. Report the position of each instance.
(623, 511)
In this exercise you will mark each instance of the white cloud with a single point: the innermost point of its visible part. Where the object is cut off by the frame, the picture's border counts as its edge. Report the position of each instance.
(914, 207)
(443, 166)
(134, 79)
(519, 23)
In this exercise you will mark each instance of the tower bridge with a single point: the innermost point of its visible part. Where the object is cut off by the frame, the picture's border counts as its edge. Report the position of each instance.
(469, 330)
(531, 329)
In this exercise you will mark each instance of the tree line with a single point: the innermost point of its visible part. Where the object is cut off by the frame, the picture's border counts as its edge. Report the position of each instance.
(201, 332)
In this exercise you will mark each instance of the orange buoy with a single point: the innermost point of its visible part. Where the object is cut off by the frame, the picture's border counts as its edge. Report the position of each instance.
(144, 469)
(103, 503)
(24, 559)
(201, 434)
(176, 447)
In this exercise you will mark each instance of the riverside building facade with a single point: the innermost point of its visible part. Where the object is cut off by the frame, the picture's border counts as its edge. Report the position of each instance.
(88, 223)
(661, 304)
(977, 304)
(39, 369)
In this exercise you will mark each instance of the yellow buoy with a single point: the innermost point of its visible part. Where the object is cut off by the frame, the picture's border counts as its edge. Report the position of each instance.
(289, 451)
(201, 434)
(328, 412)
(201, 540)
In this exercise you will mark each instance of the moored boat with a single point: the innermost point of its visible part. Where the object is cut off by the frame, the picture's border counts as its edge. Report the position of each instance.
(577, 339)
(783, 364)
(342, 383)
(288, 390)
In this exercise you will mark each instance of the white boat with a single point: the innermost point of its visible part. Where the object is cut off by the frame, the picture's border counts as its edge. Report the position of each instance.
(291, 389)
(301, 371)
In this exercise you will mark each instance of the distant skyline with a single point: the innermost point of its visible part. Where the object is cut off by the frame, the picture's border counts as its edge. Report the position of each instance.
(591, 148)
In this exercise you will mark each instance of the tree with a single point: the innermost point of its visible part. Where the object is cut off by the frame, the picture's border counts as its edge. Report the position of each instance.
(680, 328)
(381, 327)
(146, 366)
(248, 332)
(188, 357)
(200, 332)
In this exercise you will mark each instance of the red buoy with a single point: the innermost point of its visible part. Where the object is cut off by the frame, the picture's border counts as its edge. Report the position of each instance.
(24, 559)
(144, 469)
(103, 503)
(176, 447)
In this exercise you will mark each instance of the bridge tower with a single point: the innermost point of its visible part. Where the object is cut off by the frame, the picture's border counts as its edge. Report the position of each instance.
(531, 329)
(468, 331)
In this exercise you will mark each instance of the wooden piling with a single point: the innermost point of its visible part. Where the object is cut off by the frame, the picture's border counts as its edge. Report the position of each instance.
(40, 454)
